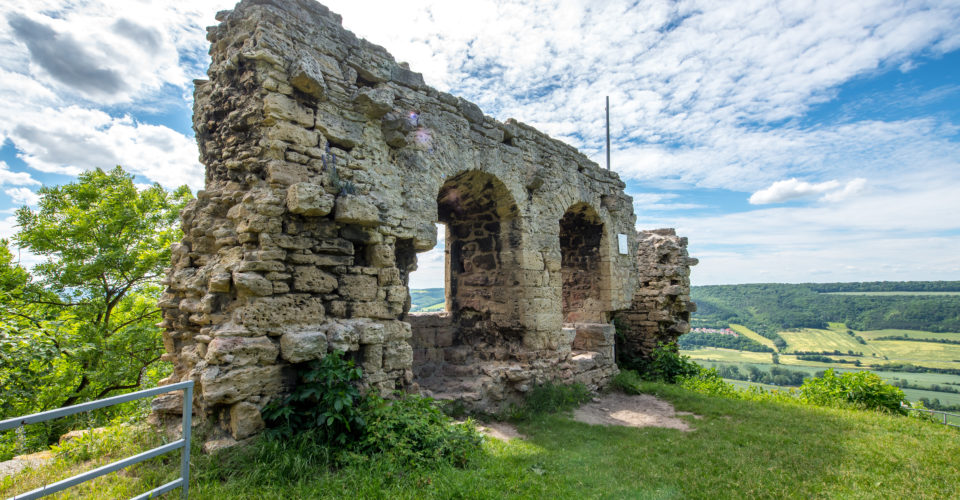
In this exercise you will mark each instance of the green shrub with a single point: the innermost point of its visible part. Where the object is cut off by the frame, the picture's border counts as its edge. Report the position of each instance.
(861, 389)
(550, 398)
(627, 381)
(415, 432)
(327, 413)
(665, 364)
(326, 398)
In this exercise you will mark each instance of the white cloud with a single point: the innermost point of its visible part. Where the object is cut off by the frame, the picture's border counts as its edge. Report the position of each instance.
(851, 188)
(15, 178)
(22, 196)
(73, 139)
(790, 189)
(643, 202)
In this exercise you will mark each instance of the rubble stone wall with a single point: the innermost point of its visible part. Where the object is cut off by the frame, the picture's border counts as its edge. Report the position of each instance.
(327, 165)
(661, 306)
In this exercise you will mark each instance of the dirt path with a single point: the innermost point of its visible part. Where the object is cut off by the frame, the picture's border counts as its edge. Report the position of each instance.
(631, 411)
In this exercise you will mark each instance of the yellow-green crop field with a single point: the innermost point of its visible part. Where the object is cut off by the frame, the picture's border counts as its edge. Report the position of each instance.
(752, 335)
(720, 354)
(914, 334)
(816, 340)
(923, 353)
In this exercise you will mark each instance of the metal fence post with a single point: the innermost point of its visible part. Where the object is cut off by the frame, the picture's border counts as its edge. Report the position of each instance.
(186, 424)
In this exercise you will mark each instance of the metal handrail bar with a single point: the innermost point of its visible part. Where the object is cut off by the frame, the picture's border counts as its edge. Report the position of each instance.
(182, 444)
(944, 413)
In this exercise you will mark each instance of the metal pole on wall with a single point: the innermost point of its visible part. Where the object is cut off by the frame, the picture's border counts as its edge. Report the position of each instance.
(608, 132)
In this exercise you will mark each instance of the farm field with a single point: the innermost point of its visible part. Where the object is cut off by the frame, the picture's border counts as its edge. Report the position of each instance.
(925, 353)
(816, 340)
(889, 294)
(750, 334)
(914, 334)
(731, 355)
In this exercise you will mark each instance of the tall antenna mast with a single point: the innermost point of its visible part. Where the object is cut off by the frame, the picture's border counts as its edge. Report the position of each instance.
(608, 132)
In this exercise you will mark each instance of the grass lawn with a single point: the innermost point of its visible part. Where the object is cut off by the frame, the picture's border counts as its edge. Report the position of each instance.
(750, 334)
(738, 449)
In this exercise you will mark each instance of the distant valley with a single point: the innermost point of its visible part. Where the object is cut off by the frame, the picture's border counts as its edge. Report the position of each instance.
(776, 334)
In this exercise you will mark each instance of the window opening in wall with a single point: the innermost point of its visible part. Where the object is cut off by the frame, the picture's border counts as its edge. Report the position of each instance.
(427, 281)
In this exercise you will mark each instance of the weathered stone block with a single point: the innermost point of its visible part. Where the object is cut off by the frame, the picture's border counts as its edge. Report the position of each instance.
(240, 351)
(228, 386)
(358, 287)
(397, 356)
(307, 77)
(245, 420)
(343, 337)
(252, 284)
(312, 279)
(276, 315)
(353, 209)
(309, 199)
(280, 107)
(300, 346)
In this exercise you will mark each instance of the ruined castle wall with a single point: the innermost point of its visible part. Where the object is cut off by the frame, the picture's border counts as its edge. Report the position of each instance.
(327, 165)
(661, 307)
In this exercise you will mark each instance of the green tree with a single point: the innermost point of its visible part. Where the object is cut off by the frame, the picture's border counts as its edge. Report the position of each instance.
(106, 244)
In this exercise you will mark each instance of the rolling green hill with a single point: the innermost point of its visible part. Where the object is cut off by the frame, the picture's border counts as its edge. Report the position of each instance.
(426, 300)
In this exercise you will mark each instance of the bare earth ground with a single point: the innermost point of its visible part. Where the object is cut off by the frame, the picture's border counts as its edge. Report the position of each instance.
(17, 464)
(609, 409)
(631, 411)
(500, 430)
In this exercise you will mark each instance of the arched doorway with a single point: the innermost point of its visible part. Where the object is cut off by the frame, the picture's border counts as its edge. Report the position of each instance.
(585, 293)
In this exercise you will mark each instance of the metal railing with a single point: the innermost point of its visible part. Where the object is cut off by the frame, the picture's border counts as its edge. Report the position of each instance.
(183, 444)
(931, 412)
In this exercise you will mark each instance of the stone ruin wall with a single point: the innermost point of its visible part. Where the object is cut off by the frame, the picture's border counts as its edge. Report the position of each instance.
(327, 166)
(661, 306)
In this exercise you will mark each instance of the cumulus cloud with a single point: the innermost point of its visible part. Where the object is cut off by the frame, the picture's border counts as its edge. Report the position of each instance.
(71, 140)
(65, 59)
(790, 189)
(15, 178)
(22, 196)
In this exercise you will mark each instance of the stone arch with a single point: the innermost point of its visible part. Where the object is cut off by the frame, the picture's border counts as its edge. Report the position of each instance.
(584, 265)
(482, 235)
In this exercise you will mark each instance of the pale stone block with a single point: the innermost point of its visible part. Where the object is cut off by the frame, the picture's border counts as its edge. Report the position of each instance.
(309, 199)
(245, 420)
(300, 346)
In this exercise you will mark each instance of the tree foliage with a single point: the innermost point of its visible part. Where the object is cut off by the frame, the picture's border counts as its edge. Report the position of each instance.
(767, 308)
(82, 325)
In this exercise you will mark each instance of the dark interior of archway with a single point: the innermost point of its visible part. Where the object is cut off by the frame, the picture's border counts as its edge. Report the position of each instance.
(480, 217)
(580, 235)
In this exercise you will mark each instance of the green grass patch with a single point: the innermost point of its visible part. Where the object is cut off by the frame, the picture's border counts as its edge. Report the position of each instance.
(738, 449)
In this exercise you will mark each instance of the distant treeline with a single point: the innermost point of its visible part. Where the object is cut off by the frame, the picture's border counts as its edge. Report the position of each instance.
(776, 376)
(771, 307)
(825, 359)
(886, 286)
(694, 340)
(911, 368)
(913, 339)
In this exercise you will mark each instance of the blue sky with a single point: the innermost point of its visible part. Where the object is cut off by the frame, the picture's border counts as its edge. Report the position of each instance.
(795, 141)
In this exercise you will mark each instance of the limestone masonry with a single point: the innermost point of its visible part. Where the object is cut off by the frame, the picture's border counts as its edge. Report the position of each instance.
(328, 165)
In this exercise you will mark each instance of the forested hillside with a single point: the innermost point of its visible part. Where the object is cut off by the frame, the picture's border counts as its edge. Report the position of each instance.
(771, 307)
